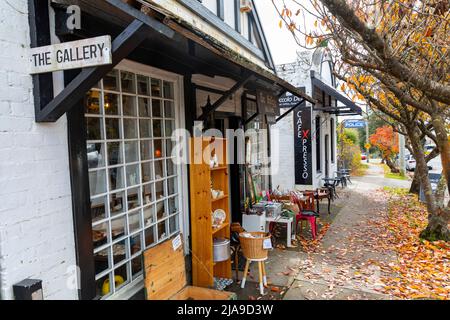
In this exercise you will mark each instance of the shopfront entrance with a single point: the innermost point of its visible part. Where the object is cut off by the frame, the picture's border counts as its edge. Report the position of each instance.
(135, 185)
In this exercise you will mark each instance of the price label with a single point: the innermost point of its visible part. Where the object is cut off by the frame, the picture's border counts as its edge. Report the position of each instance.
(267, 244)
(176, 243)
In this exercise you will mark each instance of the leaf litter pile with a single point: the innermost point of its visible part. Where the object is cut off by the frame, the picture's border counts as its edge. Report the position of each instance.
(422, 269)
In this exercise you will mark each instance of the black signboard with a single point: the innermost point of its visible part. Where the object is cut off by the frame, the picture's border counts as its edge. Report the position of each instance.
(267, 103)
(303, 145)
(288, 100)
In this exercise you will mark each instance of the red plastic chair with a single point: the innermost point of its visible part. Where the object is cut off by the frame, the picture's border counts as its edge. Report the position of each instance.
(306, 211)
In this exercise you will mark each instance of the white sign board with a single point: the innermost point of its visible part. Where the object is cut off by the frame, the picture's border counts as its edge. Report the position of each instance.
(71, 55)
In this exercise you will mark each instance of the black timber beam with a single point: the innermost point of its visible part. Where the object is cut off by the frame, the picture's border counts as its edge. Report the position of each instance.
(39, 21)
(122, 46)
(225, 97)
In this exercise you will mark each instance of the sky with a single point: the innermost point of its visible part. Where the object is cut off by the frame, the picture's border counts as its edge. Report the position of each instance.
(281, 42)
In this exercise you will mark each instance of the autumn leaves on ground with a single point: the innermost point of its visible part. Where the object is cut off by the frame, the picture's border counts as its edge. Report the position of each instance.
(422, 270)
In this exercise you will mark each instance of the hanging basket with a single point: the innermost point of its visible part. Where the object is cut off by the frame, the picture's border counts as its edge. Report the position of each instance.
(253, 248)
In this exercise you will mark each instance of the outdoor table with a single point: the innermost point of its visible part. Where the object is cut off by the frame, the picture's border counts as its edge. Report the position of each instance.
(331, 183)
(290, 227)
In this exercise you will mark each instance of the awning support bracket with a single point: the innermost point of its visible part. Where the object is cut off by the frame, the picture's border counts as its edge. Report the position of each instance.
(207, 111)
(290, 110)
(125, 43)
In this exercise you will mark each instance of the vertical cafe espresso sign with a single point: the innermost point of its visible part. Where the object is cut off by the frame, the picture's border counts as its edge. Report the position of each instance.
(303, 146)
(71, 55)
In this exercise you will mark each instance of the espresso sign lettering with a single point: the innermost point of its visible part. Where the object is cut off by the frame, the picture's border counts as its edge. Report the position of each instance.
(303, 145)
(71, 55)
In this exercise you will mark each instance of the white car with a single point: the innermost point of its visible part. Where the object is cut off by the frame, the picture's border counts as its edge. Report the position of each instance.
(411, 163)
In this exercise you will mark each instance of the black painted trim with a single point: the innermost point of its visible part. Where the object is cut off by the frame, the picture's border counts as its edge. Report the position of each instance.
(260, 31)
(39, 21)
(214, 20)
(237, 16)
(220, 9)
(81, 208)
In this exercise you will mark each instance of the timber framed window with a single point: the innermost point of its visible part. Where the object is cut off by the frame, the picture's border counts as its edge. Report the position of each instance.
(134, 182)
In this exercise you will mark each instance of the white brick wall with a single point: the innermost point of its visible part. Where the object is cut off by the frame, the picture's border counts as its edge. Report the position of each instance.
(36, 227)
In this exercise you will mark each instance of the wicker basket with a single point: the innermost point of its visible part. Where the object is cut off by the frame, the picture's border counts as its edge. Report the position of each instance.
(252, 248)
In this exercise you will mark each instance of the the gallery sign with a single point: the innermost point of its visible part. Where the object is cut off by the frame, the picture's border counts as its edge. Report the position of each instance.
(71, 55)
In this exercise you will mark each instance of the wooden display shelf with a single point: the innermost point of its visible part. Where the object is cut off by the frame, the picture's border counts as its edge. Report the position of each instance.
(202, 205)
(224, 225)
(220, 198)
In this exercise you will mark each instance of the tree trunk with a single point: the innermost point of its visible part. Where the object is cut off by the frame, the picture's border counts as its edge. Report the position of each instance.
(415, 185)
(443, 142)
(437, 228)
(391, 165)
(440, 191)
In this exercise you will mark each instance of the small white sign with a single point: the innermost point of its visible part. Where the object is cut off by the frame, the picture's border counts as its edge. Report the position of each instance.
(176, 243)
(71, 55)
(267, 244)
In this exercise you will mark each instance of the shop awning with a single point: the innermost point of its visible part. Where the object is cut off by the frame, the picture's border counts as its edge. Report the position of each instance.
(349, 108)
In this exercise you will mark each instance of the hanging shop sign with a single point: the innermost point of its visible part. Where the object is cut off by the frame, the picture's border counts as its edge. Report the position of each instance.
(288, 100)
(267, 103)
(352, 124)
(71, 55)
(303, 146)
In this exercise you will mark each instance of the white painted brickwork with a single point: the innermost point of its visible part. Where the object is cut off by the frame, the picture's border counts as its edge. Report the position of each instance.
(36, 228)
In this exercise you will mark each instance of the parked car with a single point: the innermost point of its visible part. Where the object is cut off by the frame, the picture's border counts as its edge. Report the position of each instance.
(363, 156)
(411, 163)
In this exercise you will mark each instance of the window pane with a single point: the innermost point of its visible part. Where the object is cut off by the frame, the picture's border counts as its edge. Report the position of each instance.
(128, 82)
(143, 85)
(116, 180)
(172, 186)
(149, 215)
(156, 88)
(96, 155)
(117, 203)
(129, 106)
(159, 169)
(150, 236)
(131, 152)
(147, 175)
(136, 244)
(98, 209)
(148, 194)
(160, 211)
(118, 227)
(111, 81)
(157, 128)
(121, 277)
(133, 175)
(134, 221)
(115, 154)
(103, 286)
(174, 224)
(119, 252)
(94, 128)
(111, 104)
(144, 107)
(173, 205)
(145, 128)
(100, 234)
(170, 127)
(146, 150)
(101, 259)
(156, 107)
(136, 267)
(112, 129)
(159, 189)
(130, 128)
(162, 230)
(97, 182)
(134, 198)
(169, 148)
(92, 102)
(168, 90)
(159, 152)
(171, 169)
(169, 109)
